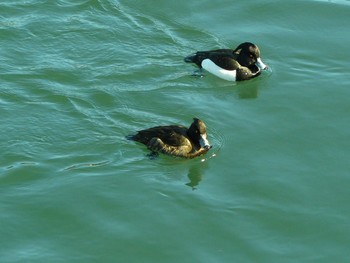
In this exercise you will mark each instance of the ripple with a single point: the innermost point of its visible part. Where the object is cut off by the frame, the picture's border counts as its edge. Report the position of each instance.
(85, 165)
(19, 164)
(217, 140)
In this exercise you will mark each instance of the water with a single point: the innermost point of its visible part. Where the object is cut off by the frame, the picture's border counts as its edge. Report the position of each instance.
(77, 77)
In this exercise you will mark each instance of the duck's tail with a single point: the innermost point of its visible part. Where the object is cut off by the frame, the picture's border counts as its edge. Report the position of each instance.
(130, 137)
(190, 58)
(196, 58)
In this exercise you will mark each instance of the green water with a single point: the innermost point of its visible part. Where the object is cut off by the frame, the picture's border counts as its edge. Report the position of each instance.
(76, 77)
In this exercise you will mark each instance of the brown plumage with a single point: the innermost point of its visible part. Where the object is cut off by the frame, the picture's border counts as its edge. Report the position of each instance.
(175, 140)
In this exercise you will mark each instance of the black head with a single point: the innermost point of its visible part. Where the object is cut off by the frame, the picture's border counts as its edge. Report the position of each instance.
(198, 133)
(248, 54)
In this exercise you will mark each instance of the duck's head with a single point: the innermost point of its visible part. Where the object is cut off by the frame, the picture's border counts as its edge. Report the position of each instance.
(198, 133)
(249, 54)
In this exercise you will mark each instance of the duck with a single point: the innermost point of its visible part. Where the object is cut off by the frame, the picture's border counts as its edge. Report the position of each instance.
(242, 63)
(175, 140)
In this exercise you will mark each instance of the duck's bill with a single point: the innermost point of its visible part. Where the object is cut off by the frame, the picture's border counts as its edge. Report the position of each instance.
(261, 64)
(204, 143)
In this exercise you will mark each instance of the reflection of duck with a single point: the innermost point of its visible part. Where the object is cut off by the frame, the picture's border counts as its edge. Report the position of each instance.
(195, 176)
(175, 140)
(241, 63)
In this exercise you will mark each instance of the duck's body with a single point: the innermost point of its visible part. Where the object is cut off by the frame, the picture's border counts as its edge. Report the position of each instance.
(176, 140)
(241, 63)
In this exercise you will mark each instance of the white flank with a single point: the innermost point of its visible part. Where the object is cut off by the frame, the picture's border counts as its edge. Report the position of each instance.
(211, 67)
(260, 64)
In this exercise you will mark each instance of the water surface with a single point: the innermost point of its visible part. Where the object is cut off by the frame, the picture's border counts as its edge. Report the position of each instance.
(77, 77)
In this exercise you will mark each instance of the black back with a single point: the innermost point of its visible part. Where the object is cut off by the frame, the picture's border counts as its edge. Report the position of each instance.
(245, 55)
